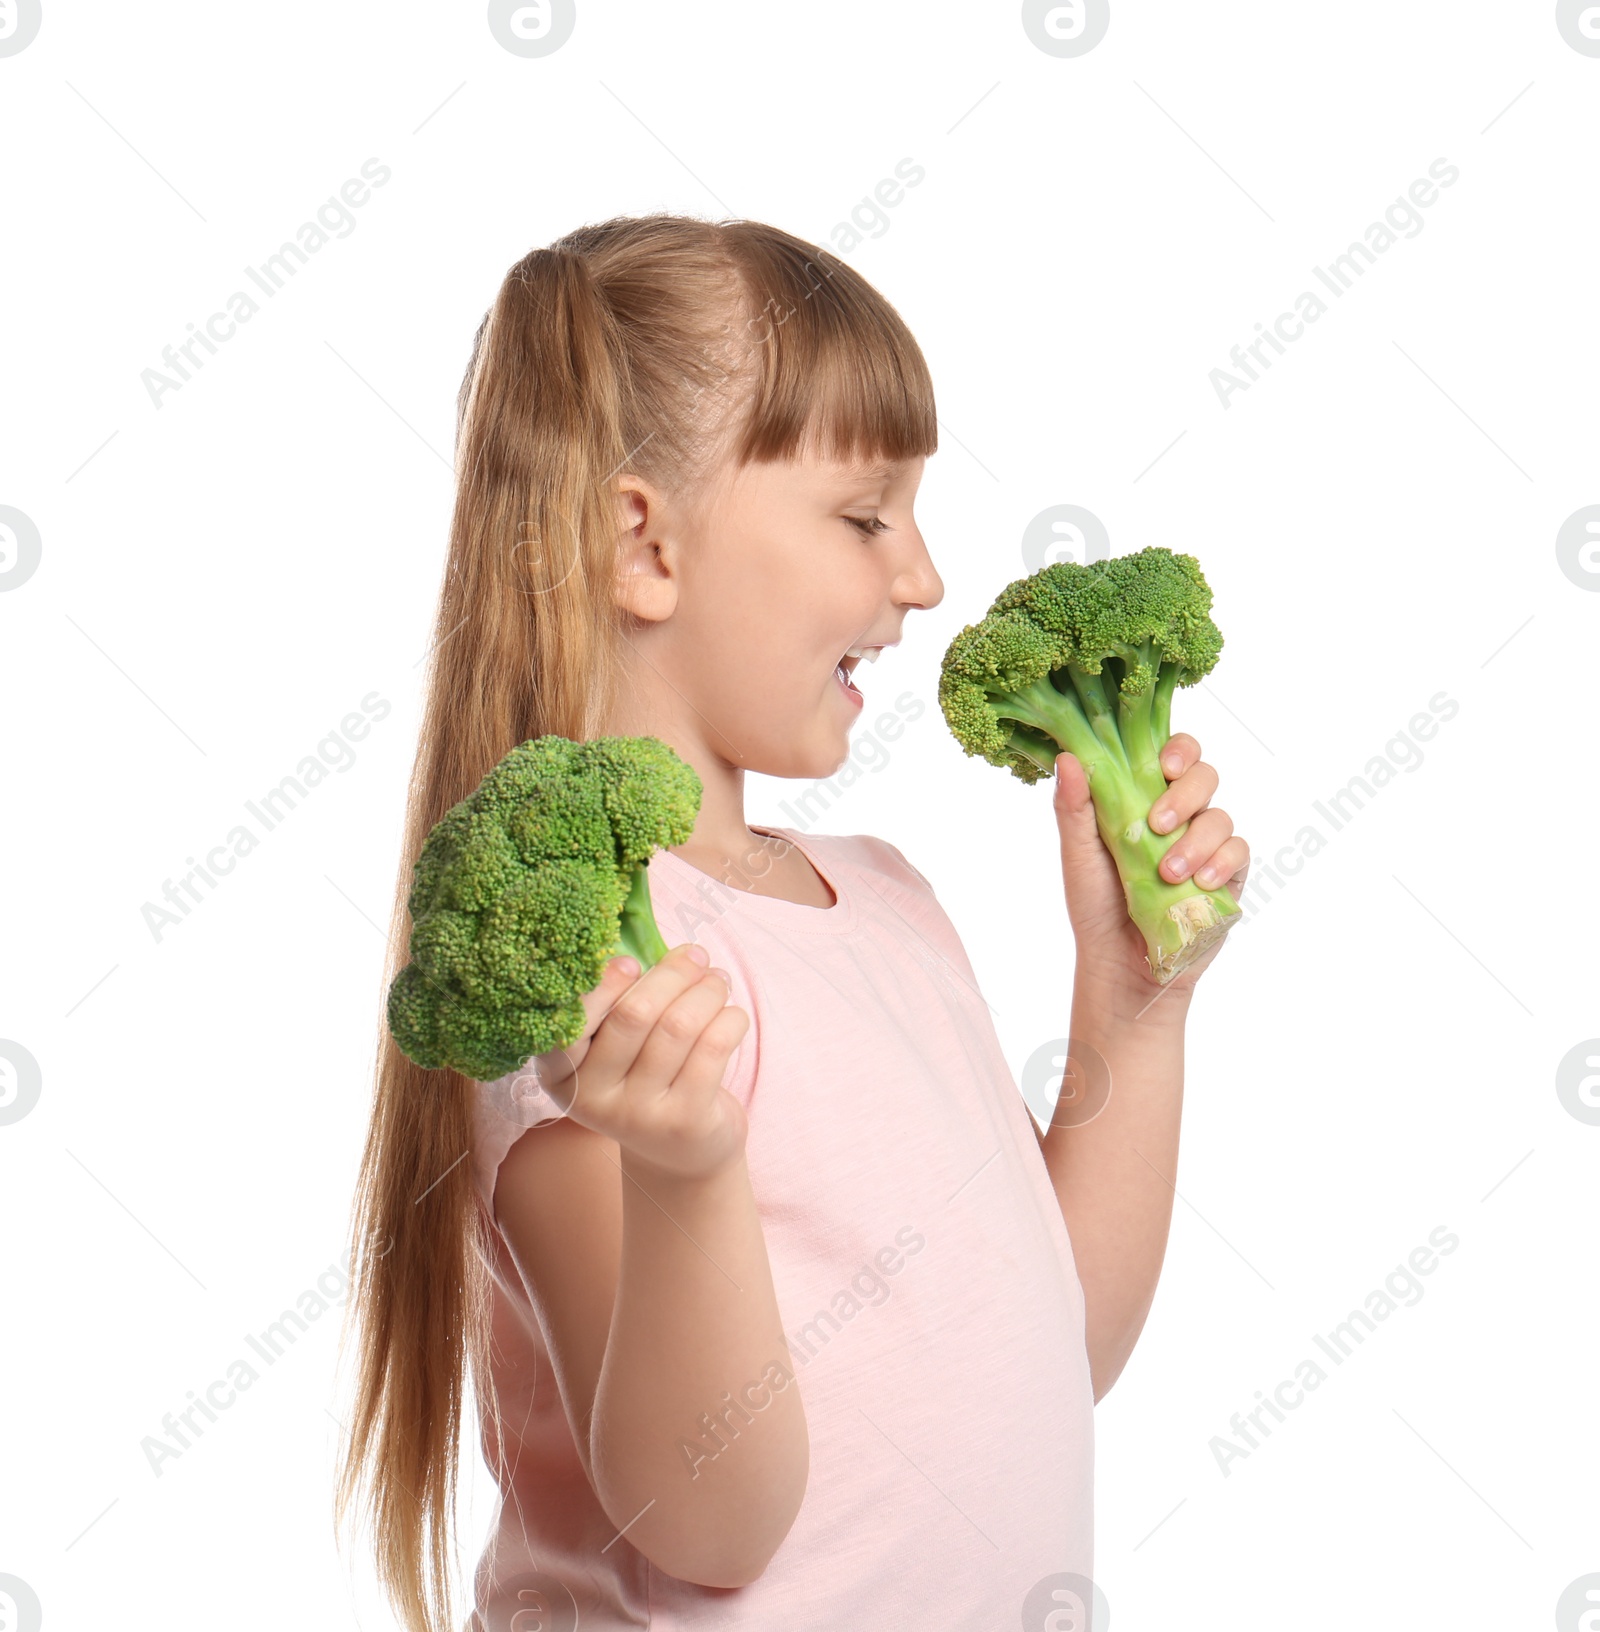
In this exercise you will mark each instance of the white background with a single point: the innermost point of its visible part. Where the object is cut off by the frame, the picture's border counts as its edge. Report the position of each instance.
(223, 578)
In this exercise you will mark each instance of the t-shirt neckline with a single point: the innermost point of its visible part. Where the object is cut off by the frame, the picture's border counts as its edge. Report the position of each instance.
(790, 915)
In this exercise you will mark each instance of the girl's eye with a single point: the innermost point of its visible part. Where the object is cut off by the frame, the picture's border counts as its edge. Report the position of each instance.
(868, 525)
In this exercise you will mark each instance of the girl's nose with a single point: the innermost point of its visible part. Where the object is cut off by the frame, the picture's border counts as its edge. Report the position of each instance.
(920, 584)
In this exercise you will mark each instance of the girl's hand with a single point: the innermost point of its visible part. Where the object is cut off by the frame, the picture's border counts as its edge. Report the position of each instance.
(647, 1071)
(1207, 849)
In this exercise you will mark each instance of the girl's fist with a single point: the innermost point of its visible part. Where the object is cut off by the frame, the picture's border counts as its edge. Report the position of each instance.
(647, 1070)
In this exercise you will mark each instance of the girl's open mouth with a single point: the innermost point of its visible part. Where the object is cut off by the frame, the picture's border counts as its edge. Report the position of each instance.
(846, 667)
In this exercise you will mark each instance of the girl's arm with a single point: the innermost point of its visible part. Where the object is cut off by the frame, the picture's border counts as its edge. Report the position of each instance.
(1113, 1175)
(635, 1230)
(1112, 1148)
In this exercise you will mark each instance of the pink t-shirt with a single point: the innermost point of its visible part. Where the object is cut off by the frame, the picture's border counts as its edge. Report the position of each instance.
(923, 1272)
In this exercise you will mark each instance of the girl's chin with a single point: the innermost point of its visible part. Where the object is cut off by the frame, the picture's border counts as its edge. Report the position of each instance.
(829, 758)
(811, 750)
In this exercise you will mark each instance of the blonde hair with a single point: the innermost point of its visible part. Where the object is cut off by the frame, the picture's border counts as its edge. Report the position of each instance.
(659, 344)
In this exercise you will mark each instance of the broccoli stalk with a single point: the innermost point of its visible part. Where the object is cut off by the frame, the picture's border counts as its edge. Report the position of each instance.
(1085, 660)
(640, 937)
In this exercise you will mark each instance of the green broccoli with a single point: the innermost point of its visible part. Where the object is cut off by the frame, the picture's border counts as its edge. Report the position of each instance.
(524, 890)
(1085, 659)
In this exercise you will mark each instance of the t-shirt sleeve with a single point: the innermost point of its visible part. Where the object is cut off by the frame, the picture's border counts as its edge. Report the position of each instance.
(502, 1111)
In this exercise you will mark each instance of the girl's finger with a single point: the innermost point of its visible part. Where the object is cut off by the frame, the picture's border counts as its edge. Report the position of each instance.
(677, 1031)
(559, 1064)
(1204, 836)
(620, 973)
(625, 1026)
(1181, 751)
(1187, 795)
(1225, 864)
(702, 1071)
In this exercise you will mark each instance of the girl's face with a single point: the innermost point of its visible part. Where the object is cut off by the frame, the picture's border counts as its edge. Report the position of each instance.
(762, 604)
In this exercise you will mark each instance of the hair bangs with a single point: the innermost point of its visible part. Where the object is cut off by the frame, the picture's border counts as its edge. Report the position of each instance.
(837, 372)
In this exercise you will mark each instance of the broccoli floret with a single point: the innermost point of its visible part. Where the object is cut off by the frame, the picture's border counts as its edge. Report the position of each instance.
(1085, 659)
(524, 890)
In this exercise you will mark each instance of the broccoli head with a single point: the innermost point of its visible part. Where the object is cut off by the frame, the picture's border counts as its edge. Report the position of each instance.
(1084, 659)
(524, 890)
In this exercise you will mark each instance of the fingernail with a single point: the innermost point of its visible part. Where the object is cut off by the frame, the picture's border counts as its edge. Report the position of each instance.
(1177, 866)
(1162, 820)
(625, 965)
(723, 976)
(1206, 876)
(1172, 762)
(699, 954)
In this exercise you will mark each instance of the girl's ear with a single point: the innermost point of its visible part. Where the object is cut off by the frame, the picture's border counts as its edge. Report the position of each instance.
(646, 582)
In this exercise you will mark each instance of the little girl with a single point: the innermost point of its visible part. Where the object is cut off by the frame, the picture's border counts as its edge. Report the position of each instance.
(780, 1310)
